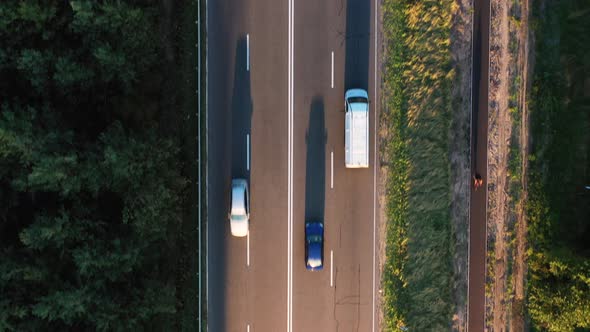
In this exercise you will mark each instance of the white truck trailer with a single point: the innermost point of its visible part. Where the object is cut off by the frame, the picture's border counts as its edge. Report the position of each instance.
(356, 126)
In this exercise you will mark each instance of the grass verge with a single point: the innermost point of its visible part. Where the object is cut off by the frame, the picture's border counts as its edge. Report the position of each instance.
(418, 272)
(514, 182)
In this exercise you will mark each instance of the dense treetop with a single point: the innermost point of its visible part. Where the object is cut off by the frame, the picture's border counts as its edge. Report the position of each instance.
(559, 205)
(90, 187)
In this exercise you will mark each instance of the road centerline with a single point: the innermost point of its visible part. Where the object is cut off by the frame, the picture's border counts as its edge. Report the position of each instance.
(247, 52)
(332, 70)
(331, 268)
(332, 170)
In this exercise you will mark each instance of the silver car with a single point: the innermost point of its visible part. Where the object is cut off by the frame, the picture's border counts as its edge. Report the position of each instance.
(239, 214)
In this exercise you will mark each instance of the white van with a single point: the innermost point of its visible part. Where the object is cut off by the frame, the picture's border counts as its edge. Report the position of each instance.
(356, 126)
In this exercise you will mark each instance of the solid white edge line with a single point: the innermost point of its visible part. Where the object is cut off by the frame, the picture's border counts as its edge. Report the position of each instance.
(288, 159)
(248, 248)
(332, 170)
(248, 152)
(292, 157)
(331, 268)
(248, 328)
(332, 69)
(288, 156)
(248, 52)
(290, 172)
(289, 276)
(375, 30)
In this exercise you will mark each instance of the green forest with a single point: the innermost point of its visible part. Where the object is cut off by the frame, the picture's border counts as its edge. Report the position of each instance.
(559, 203)
(92, 168)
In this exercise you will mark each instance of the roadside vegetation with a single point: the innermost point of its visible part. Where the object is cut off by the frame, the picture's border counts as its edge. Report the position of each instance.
(559, 204)
(418, 272)
(508, 135)
(184, 84)
(94, 181)
(519, 46)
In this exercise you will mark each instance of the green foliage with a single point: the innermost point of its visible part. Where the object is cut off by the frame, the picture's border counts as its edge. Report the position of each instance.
(559, 299)
(514, 167)
(394, 282)
(61, 305)
(16, 141)
(21, 20)
(112, 259)
(33, 13)
(118, 37)
(77, 47)
(47, 232)
(34, 66)
(54, 174)
(113, 64)
(141, 173)
(558, 208)
(15, 271)
(88, 194)
(69, 74)
(418, 272)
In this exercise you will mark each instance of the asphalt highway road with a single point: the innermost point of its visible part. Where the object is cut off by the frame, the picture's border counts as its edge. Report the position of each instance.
(479, 164)
(245, 102)
(277, 73)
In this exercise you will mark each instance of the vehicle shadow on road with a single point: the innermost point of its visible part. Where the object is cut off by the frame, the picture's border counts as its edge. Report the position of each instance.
(358, 28)
(315, 165)
(238, 124)
(241, 114)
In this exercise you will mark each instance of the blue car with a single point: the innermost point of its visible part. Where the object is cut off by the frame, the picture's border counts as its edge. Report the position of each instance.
(314, 246)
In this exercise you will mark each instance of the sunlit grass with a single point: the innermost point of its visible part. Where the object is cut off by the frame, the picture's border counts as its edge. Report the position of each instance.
(418, 270)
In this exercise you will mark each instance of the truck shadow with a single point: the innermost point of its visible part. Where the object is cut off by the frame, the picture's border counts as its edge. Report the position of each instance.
(241, 114)
(315, 168)
(358, 28)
